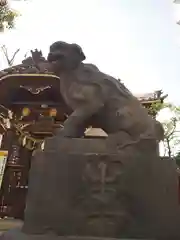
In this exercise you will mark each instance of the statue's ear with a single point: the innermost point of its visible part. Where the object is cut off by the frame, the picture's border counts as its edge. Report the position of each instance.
(78, 50)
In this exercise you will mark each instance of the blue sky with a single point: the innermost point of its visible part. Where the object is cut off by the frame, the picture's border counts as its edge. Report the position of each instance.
(135, 40)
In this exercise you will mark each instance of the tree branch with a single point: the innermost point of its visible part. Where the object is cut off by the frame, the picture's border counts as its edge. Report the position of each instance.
(14, 55)
(9, 60)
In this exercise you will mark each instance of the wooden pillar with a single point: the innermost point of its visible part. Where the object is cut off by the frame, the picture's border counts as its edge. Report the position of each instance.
(14, 186)
(7, 140)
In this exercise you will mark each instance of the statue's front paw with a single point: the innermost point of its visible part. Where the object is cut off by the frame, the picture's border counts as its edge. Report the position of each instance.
(60, 133)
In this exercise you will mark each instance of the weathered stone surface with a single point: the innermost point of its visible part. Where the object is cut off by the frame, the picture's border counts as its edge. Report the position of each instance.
(16, 234)
(97, 99)
(80, 145)
(76, 190)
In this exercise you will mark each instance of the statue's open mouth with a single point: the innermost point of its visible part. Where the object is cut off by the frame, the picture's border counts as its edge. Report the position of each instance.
(54, 57)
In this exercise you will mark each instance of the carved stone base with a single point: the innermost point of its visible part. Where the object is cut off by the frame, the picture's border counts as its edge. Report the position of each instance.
(16, 234)
(83, 187)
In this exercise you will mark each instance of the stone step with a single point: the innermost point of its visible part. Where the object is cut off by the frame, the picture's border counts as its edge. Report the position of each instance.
(80, 145)
(16, 234)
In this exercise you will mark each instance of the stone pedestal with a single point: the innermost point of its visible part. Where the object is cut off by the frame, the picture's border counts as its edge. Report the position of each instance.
(16, 234)
(88, 187)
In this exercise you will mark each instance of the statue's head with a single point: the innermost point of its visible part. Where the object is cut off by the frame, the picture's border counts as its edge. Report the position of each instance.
(65, 56)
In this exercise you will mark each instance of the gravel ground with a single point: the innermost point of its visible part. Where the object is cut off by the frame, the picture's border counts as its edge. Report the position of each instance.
(6, 224)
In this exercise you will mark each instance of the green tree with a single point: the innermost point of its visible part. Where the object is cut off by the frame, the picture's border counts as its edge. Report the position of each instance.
(171, 127)
(7, 15)
(177, 159)
(172, 131)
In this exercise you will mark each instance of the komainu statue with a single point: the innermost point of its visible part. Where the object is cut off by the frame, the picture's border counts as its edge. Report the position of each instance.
(88, 188)
(92, 94)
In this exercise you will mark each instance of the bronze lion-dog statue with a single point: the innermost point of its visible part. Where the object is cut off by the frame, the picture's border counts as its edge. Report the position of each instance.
(98, 99)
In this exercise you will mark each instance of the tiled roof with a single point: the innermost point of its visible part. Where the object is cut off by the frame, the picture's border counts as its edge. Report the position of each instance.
(153, 96)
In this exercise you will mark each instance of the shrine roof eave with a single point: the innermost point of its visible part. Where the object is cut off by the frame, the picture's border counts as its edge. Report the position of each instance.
(28, 75)
(151, 101)
(9, 83)
(150, 98)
